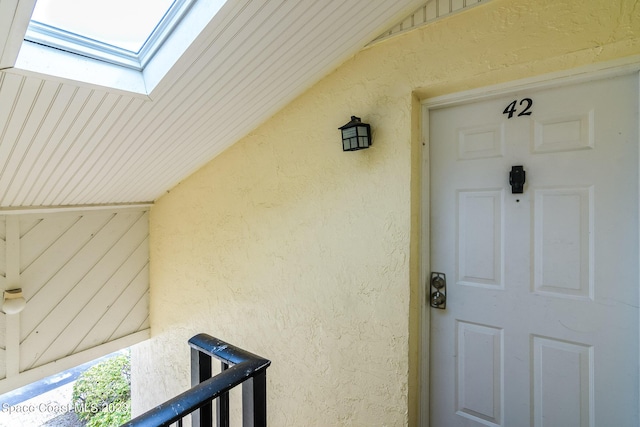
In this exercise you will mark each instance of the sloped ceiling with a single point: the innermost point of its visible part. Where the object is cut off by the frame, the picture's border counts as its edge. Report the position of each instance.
(67, 143)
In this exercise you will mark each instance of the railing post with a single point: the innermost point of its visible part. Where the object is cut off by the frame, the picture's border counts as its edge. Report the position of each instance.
(201, 371)
(254, 401)
(222, 405)
(239, 368)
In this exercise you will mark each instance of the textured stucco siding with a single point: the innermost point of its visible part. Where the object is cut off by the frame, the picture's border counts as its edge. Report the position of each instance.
(306, 255)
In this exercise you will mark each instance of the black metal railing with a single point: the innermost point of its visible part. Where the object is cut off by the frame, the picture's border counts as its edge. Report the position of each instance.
(238, 367)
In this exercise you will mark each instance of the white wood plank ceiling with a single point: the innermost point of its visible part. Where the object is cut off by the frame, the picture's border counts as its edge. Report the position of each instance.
(67, 143)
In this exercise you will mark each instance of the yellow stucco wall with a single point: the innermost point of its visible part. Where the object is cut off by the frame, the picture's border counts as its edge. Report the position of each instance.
(306, 255)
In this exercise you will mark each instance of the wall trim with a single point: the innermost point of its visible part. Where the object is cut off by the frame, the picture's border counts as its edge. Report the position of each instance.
(72, 208)
(593, 71)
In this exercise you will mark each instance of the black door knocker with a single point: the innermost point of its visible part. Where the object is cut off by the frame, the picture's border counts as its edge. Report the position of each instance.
(517, 179)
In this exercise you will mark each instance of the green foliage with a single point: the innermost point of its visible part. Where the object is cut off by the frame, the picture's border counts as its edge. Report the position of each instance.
(102, 394)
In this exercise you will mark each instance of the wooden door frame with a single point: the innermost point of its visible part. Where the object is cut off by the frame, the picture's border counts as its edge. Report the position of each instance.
(623, 66)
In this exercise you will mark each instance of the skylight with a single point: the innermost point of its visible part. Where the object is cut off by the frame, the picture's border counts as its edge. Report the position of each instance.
(126, 45)
(121, 23)
(122, 32)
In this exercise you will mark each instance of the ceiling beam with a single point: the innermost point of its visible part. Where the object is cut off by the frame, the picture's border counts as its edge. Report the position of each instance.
(14, 20)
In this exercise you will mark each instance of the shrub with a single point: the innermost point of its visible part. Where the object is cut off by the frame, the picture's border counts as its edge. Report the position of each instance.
(102, 394)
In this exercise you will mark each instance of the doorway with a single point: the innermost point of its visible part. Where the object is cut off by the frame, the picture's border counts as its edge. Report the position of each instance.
(541, 319)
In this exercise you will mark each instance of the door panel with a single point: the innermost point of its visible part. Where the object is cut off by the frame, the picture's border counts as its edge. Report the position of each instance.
(541, 320)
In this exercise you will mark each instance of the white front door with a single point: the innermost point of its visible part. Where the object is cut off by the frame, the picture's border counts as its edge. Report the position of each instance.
(541, 319)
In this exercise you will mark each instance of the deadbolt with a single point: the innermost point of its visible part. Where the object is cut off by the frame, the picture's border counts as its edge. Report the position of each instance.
(438, 293)
(438, 300)
(438, 282)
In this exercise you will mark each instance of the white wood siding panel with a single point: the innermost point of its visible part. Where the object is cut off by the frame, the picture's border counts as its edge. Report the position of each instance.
(101, 116)
(75, 316)
(36, 165)
(136, 317)
(427, 13)
(97, 178)
(25, 138)
(85, 277)
(83, 121)
(97, 149)
(48, 163)
(117, 299)
(59, 268)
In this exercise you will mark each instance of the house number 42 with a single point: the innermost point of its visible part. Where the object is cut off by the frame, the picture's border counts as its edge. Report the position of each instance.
(512, 108)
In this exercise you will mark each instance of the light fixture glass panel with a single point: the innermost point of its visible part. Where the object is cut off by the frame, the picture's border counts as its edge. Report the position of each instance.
(349, 132)
(122, 23)
(362, 130)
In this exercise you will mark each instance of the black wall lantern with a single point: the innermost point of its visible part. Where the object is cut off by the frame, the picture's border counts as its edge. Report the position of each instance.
(355, 135)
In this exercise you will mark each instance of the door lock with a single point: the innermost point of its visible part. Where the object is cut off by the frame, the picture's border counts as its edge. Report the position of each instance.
(438, 291)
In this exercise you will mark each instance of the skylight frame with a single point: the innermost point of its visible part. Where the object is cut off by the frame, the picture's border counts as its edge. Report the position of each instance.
(57, 38)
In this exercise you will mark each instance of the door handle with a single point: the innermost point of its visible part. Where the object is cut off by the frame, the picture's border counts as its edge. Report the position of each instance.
(438, 291)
